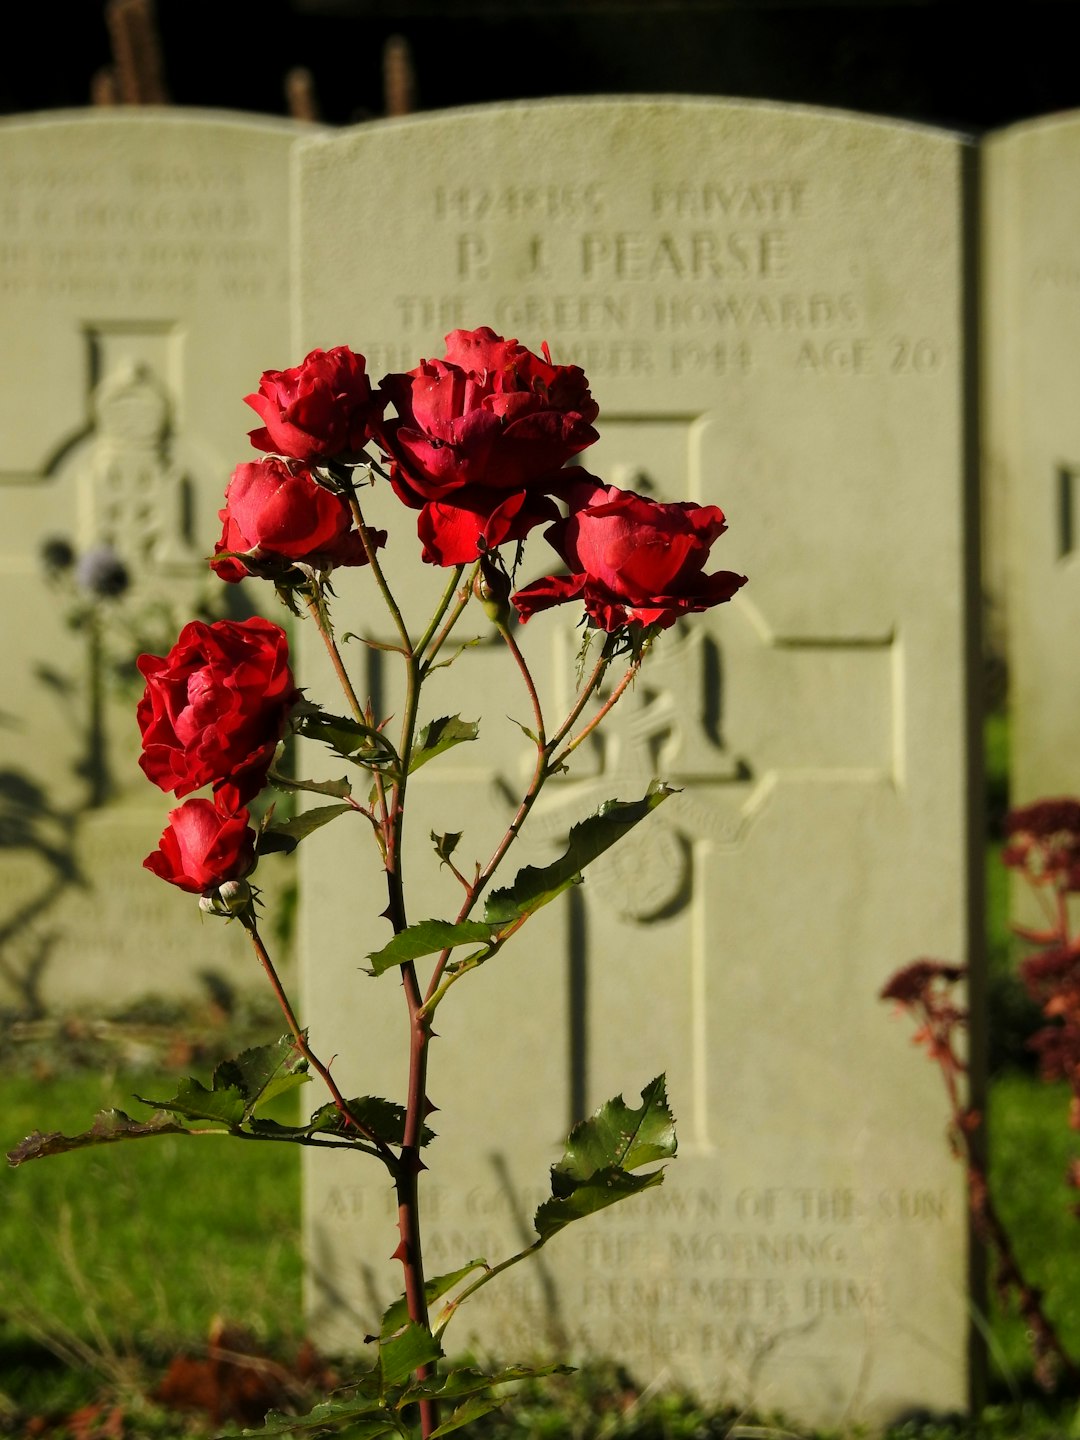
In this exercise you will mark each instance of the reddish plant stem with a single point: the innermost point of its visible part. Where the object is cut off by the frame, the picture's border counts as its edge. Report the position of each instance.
(335, 657)
(300, 1037)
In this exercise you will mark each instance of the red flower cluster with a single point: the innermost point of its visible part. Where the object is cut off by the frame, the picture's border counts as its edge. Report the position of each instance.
(633, 560)
(215, 708)
(277, 515)
(480, 441)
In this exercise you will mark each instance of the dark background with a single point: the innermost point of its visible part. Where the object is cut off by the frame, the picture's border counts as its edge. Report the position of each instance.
(940, 61)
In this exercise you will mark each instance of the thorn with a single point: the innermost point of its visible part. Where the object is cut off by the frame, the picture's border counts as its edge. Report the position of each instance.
(430, 1108)
(401, 1252)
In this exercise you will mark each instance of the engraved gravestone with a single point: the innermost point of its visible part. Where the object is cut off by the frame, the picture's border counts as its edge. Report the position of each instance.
(144, 280)
(1032, 436)
(768, 304)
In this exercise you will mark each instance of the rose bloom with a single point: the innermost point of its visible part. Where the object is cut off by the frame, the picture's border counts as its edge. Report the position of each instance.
(480, 441)
(320, 409)
(215, 707)
(201, 849)
(634, 560)
(278, 515)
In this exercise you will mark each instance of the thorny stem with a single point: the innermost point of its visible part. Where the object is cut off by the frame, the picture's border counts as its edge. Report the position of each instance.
(530, 685)
(376, 569)
(441, 609)
(612, 700)
(454, 616)
(300, 1037)
(318, 615)
(598, 673)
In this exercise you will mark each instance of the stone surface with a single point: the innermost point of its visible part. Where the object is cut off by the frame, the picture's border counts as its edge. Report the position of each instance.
(1032, 436)
(144, 285)
(768, 303)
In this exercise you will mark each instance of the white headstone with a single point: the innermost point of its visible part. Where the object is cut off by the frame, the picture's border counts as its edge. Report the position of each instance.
(768, 305)
(1032, 436)
(144, 286)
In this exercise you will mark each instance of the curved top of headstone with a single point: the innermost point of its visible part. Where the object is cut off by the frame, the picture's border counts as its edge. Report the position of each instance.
(137, 117)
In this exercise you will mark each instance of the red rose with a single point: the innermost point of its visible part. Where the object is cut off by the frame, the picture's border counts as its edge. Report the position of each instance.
(277, 514)
(215, 707)
(635, 560)
(322, 408)
(480, 440)
(201, 849)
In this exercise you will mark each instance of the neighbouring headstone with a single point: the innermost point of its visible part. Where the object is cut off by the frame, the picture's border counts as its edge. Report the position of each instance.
(144, 285)
(1032, 436)
(769, 305)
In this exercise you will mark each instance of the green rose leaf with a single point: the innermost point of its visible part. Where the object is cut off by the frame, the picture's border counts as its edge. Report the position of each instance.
(472, 1392)
(240, 1085)
(428, 937)
(440, 735)
(445, 845)
(263, 1072)
(340, 788)
(361, 1404)
(399, 1357)
(108, 1127)
(605, 1188)
(397, 1314)
(344, 736)
(535, 886)
(286, 836)
(384, 1118)
(618, 1136)
(602, 1151)
(194, 1101)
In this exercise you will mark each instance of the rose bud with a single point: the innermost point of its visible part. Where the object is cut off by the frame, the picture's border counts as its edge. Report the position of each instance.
(480, 439)
(201, 849)
(278, 515)
(215, 708)
(322, 408)
(633, 560)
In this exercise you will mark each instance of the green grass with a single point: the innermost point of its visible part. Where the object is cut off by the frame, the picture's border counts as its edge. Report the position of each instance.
(150, 1238)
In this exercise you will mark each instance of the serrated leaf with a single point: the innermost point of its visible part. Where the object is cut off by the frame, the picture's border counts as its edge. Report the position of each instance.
(400, 1357)
(239, 1084)
(616, 1135)
(445, 845)
(383, 1118)
(344, 736)
(286, 836)
(605, 1188)
(472, 1409)
(263, 1072)
(529, 734)
(439, 735)
(108, 1127)
(397, 1314)
(600, 1154)
(195, 1102)
(456, 1385)
(428, 937)
(347, 1408)
(535, 886)
(340, 788)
